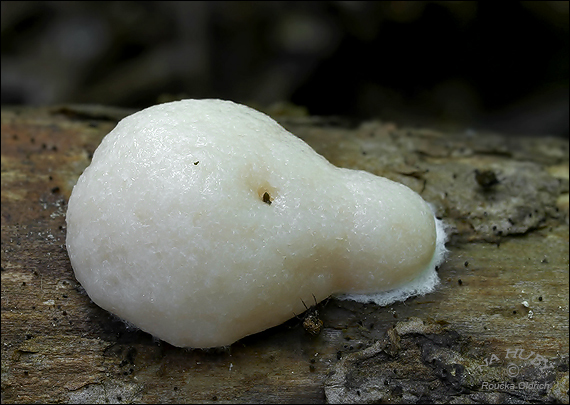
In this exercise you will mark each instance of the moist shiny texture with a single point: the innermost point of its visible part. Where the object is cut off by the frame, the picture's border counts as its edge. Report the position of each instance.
(204, 221)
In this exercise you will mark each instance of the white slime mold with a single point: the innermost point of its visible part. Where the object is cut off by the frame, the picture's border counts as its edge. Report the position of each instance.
(204, 221)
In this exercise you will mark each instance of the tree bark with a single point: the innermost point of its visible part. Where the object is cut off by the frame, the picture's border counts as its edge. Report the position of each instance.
(495, 330)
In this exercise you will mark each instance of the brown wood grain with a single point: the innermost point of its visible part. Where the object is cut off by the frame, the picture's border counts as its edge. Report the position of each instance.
(504, 286)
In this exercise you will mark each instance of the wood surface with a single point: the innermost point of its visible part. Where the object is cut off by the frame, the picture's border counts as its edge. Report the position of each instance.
(495, 330)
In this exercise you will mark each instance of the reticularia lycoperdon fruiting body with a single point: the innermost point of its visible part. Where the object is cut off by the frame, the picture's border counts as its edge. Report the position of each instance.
(204, 221)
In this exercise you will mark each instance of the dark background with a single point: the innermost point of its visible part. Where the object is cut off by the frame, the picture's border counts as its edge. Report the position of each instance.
(499, 66)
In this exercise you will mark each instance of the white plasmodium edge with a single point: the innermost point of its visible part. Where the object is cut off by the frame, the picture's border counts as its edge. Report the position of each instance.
(425, 283)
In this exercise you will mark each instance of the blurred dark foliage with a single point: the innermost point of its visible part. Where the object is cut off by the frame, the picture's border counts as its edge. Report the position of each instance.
(483, 65)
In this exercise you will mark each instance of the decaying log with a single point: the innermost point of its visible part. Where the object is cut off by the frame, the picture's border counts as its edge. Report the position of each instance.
(495, 330)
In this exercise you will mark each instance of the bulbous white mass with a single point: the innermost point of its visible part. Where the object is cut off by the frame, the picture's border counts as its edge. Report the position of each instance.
(203, 221)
